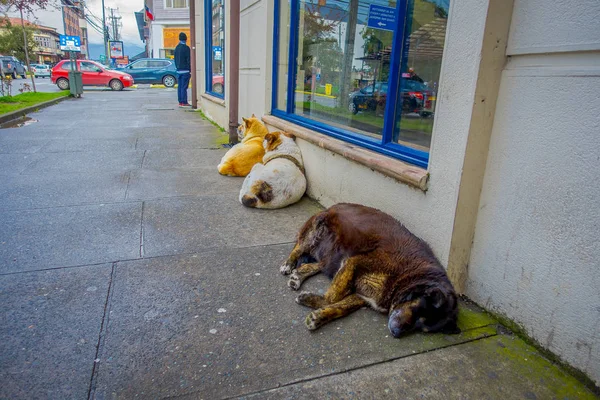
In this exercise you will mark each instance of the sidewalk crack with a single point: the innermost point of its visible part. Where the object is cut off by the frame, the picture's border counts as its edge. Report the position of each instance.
(143, 159)
(103, 333)
(142, 230)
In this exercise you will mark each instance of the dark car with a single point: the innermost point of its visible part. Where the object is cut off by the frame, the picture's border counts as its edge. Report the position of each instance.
(152, 70)
(13, 67)
(416, 97)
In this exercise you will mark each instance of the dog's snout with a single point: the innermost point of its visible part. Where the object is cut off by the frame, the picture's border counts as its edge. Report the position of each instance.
(395, 324)
(249, 201)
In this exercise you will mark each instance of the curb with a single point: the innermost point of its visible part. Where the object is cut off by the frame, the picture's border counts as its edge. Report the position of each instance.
(24, 111)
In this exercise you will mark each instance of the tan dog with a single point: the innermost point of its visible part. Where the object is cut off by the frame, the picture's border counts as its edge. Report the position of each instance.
(373, 260)
(240, 159)
(280, 181)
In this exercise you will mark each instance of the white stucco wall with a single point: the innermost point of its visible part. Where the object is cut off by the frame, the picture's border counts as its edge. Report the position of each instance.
(215, 109)
(536, 252)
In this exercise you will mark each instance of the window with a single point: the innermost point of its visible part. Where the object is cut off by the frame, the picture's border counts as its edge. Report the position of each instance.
(158, 64)
(363, 71)
(215, 47)
(140, 64)
(176, 3)
(88, 67)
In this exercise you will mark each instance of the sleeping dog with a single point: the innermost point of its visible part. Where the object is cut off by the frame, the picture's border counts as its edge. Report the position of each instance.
(373, 260)
(279, 181)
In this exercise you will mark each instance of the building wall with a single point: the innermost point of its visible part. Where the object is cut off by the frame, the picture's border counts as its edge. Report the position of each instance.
(333, 178)
(536, 256)
(160, 12)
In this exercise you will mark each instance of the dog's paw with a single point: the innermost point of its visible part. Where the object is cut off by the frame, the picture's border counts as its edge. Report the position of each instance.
(285, 269)
(295, 282)
(311, 300)
(313, 320)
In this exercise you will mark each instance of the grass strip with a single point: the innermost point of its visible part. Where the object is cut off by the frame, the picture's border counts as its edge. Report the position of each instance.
(14, 103)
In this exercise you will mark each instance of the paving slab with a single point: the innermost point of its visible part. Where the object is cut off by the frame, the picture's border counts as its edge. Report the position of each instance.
(17, 163)
(49, 331)
(499, 367)
(22, 192)
(170, 141)
(145, 184)
(21, 146)
(80, 145)
(182, 158)
(69, 236)
(91, 162)
(188, 225)
(224, 323)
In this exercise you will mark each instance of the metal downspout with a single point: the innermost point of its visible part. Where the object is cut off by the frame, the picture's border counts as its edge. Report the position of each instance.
(195, 80)
(234, 68)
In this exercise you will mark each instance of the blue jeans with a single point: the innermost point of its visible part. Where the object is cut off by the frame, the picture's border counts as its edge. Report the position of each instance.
(183, 81)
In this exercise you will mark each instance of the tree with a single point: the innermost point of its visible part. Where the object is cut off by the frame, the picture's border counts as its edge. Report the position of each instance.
(11, 39)
(27, 7)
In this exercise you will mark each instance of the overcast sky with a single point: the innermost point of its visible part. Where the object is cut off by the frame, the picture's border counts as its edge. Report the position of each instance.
(53, 17)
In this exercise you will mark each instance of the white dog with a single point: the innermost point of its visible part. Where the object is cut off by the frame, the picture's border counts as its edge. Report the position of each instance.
(279, 181)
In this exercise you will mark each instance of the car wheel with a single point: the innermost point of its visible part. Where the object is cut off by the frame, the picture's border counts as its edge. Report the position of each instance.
(169, 81)
(116, 85)
(62, 83)
(14, 75)
(425, 114)
(352, 108)
(24, 76)
(218, 88)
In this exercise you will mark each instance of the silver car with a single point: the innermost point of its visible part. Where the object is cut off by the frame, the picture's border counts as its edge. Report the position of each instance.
(41, 70)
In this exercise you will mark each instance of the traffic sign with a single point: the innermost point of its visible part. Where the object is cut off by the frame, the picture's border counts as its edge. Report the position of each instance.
(70, 43)
(381, 17)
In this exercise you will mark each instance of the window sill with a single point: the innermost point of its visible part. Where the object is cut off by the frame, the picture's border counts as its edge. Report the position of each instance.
(213, 99)
(401, 171)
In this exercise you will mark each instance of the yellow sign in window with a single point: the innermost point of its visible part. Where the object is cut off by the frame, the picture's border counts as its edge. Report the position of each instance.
(171, 36)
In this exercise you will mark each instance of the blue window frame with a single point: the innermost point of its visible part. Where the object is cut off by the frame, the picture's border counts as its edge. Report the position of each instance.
(381, 104)
(214, 57)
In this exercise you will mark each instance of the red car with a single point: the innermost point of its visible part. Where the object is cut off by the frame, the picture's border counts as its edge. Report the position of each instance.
(92, 74)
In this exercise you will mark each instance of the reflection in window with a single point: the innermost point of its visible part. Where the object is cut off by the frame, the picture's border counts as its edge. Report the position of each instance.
(215, 47)
(342, 72)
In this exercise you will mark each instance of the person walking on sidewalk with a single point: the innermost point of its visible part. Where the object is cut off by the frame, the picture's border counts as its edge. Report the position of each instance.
(182, 63)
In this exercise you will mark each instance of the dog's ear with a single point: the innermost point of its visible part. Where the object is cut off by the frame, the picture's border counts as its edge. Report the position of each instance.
(270, 138)
(290, 135)
(244, 120)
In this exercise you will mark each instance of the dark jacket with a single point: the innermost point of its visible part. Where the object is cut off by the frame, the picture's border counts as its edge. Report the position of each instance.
(182, 57)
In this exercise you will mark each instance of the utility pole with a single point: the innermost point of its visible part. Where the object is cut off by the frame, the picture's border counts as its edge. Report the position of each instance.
(104, 33)
(115, 22)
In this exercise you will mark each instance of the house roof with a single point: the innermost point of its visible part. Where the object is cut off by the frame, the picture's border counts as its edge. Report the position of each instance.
(17, 21)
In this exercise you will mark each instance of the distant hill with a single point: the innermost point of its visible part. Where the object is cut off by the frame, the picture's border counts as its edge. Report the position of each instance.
(98, 48)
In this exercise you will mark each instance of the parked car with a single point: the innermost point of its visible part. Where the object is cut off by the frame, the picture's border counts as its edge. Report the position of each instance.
(218, 83)
(152, 70)
(40, 70)
(13, 67)
(93, 74)
(416, 97)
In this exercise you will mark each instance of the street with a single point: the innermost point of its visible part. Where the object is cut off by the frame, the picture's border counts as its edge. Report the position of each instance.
(128, 268)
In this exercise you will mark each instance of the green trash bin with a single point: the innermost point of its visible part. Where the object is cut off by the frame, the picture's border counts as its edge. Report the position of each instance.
(75, 83)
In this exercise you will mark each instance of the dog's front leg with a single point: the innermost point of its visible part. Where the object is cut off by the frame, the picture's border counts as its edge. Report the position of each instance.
(346, 306)
(302, 273)
(292, 262)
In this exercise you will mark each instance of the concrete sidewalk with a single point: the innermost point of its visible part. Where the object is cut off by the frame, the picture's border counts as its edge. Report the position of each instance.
(128, 269)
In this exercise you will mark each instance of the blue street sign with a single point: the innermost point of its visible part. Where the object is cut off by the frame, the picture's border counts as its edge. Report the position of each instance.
(218, 53)
(70, 43)
(382, 17)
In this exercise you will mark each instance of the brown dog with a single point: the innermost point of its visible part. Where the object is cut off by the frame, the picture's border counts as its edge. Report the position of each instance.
(373, 260)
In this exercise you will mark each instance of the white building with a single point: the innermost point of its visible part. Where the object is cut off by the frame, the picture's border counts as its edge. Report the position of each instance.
(494, 162)
(170, 18)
